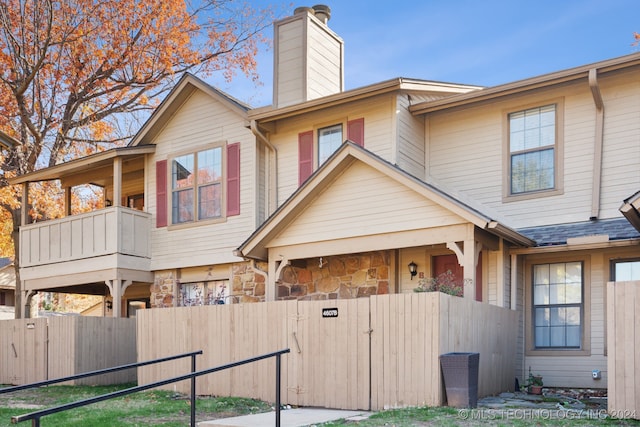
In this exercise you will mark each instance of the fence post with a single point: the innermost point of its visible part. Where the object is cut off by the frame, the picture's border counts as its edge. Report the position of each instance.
(278, 357)
(193, 391)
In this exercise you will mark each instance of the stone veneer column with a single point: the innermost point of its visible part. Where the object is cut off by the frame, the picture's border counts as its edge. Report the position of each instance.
(163, 290)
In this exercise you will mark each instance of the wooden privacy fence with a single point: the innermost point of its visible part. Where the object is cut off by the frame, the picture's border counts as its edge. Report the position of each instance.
(368, 353)
(40, 349)
(623, 344)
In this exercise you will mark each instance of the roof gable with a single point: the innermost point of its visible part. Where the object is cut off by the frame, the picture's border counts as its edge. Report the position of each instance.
(336, 198)
(187, 85)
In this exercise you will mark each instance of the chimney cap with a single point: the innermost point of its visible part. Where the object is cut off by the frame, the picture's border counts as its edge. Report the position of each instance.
(322, 12)
(303, 9)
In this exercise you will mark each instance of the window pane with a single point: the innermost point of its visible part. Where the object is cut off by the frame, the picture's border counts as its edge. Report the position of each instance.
(542, 317)
(218, 292)
(542, 337)
(626, 271)
(209, 165)
(541, 294)
(532, 169)
(191, 294)
(573, 336)
(329, 139)
(557, 336)
(182, 203)
(182, 171)
(209, 205)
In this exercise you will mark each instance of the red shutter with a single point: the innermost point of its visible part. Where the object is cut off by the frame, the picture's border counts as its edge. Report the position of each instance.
(355, 131)
(233, 179)
(161, 193)
(305, 156)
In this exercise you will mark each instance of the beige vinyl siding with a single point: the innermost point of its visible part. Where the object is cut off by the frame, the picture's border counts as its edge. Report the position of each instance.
(337, 213)
(290, 66)
(466, 152)
(323, 66)
(203, 120)
(621, 153)
(378, 123)
(411, 139)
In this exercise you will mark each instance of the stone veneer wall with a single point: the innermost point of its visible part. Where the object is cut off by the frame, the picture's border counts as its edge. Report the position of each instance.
(340, 277)
(248, 282)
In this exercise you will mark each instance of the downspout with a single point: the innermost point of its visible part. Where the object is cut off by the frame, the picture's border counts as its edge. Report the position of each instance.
(598, 143)
(272, 171)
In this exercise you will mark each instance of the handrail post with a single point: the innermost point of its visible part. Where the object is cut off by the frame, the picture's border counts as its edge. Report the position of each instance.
(278, 357)
(35, 422)
(193, 391)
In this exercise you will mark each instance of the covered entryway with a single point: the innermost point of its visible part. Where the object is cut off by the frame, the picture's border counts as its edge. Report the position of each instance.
(357, 203)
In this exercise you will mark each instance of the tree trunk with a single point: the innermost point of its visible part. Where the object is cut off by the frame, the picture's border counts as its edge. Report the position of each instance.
(15, 234)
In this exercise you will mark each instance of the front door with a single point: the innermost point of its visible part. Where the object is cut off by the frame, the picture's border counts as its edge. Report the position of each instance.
(444, 263)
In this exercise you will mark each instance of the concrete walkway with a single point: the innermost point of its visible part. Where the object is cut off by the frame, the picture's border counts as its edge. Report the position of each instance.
(554, 404)
(298, 417)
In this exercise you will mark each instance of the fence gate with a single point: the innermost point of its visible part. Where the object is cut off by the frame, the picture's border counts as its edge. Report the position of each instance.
(23, 352)
(330, 359)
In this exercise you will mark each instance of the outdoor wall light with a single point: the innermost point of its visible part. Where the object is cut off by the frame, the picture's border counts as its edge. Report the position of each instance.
(413, 269)
(109, 305)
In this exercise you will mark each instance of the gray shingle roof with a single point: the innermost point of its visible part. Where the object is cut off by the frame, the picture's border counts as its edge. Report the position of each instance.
(548, 235)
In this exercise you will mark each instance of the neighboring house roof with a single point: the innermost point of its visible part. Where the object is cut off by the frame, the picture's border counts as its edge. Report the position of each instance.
(341, 160)
(526, 85)
(75, 166)
(7, 274)
(559, 234)
(269, 113)
(174, 100)
(7, 141)
(631, 210)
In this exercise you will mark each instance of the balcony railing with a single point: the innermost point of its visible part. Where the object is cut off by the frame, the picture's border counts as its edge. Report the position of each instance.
(109, 231)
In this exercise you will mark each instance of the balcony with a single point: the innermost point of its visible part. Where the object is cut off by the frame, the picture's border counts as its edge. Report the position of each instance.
(87, 248)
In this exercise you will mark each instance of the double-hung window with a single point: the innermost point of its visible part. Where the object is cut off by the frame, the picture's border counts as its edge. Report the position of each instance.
(196, 186)
(533, 150)
(558, 305)
(329, 140)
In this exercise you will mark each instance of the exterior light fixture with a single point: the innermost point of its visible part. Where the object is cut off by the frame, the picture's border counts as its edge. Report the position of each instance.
(109, 304)
(413, 269)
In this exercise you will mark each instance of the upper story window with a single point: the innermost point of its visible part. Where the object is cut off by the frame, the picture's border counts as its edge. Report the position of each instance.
(329, 140)
(532, 150)
(313, 151)
(625, 270)
(558, 305)
(196, 186)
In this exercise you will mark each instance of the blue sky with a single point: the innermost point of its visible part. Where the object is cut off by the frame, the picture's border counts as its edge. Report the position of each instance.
(479, 42)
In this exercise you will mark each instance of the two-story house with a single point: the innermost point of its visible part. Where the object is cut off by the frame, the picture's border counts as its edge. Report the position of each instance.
(331, 194)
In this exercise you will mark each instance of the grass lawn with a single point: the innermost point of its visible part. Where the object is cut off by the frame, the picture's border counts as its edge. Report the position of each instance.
(165, 408)
(150, 408)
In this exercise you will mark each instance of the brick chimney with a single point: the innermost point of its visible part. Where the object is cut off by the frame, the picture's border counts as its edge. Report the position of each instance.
(308, 57)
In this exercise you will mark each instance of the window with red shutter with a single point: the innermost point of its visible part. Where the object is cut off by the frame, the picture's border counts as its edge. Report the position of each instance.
(233, 179)
(355, 131)
(305, 156)
(161, 193)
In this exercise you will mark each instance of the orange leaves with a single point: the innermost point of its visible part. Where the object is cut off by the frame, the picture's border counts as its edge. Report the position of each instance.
(637, 37)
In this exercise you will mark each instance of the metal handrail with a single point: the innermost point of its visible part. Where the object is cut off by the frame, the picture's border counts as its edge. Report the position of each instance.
(191, 354)
(35, 416)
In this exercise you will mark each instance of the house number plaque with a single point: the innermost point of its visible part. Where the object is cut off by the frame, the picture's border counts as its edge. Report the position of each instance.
(329, 312)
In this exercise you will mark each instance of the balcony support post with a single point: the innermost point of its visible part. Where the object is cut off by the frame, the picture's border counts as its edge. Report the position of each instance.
(117, 288)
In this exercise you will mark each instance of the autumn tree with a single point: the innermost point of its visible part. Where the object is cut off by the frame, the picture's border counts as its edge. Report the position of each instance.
(78, 76)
